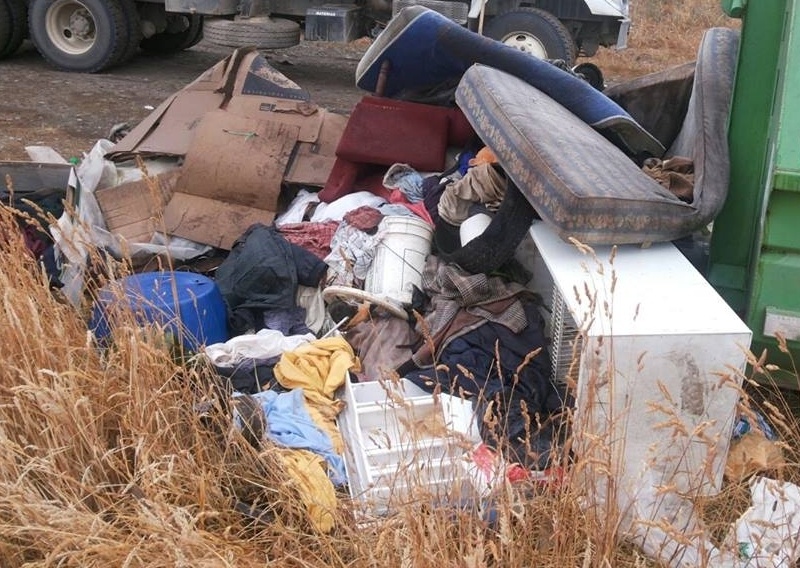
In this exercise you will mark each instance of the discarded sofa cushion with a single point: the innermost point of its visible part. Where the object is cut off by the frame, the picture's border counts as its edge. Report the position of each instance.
(347, 177)
(658, 101)
(383, 131)
(459, 131)
(583, 185)
(424, 48)
(704, 134)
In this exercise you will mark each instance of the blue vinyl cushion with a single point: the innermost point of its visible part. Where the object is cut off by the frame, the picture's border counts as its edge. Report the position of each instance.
(425, 49)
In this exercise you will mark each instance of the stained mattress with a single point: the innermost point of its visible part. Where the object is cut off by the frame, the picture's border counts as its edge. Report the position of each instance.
(585, 186)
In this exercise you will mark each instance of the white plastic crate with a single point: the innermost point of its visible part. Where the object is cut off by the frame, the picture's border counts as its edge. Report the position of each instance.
(403, 444)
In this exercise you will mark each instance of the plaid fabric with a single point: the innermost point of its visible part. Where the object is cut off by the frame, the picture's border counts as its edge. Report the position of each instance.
(452, 289)
(314, 237)
(364, 218)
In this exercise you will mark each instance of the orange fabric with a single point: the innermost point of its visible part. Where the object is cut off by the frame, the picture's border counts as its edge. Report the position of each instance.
(484, 156)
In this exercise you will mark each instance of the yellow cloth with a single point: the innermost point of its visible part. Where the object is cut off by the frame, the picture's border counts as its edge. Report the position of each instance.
(308, 472)
(319, 368)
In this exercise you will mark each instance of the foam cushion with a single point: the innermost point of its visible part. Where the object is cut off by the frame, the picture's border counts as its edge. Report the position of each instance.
(425, 49)
(347, 177)
(583, 185)
(459, 131)
(341, 180)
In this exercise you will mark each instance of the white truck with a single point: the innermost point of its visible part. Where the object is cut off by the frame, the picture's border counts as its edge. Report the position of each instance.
(93, 35)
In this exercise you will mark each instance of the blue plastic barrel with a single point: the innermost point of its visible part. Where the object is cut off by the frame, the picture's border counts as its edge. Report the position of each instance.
(187, 305)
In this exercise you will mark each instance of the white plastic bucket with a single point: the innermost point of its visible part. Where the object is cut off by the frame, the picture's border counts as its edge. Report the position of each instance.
(473, 227)
(399, 258)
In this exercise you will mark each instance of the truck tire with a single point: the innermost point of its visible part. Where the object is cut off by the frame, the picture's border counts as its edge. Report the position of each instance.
(79, 35)
(134, 26)
(5, 27)
(533, 31)
(592, 74)
(197, 36)
(167, 42)
(261, 32)
(17, 20)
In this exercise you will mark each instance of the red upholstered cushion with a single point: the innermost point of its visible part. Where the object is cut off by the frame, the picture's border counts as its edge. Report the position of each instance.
(459, 132)
(347, 177)
(386, 131)
(340, 181)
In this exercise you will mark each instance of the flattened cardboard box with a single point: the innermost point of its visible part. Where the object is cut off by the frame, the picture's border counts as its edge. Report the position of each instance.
(313, 161)
(210, 205)
(244, 128)
(134, 210)
(243, 84)
(168, 130)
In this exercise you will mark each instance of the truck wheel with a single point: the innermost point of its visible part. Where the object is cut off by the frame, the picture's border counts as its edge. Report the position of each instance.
(261, 32)
(5, 27)
(196, 37)
(17, 20)
(592, 74)
(134, 25)
(173, 42)
(533, 31)
(79, 35)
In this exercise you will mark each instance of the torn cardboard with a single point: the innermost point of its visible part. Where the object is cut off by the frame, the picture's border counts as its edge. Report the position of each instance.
(753, 453)
(134, 210)
(244, 129)
(313, 161)
(232, 176)
(168, 130)
(243, 84)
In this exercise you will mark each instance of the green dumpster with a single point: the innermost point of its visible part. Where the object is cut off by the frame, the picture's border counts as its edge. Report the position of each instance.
(755, 243)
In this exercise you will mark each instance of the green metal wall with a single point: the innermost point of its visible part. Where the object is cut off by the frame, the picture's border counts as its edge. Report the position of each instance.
(755, 245)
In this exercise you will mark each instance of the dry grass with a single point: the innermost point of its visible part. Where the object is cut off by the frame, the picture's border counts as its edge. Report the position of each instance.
(106, 460)
(663, 34)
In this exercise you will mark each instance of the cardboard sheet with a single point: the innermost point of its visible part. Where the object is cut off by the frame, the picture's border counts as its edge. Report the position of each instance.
(313, 161)
(237, 163)
(243, 84)
(211, 221)
(134, 210)
(244, 130)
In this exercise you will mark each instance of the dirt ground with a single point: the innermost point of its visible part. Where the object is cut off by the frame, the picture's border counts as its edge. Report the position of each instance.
(70, 111)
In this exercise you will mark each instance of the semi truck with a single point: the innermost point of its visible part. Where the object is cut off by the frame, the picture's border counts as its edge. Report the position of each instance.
(94, 35)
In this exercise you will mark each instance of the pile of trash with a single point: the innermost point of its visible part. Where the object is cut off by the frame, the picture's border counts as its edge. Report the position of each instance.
(246, 246)
(356, 280)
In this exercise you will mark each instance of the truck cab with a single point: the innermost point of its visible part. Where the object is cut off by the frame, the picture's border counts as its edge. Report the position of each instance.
(93, 35)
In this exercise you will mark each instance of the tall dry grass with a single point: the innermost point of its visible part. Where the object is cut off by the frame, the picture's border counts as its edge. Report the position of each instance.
(663, 34)
(126, 457)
